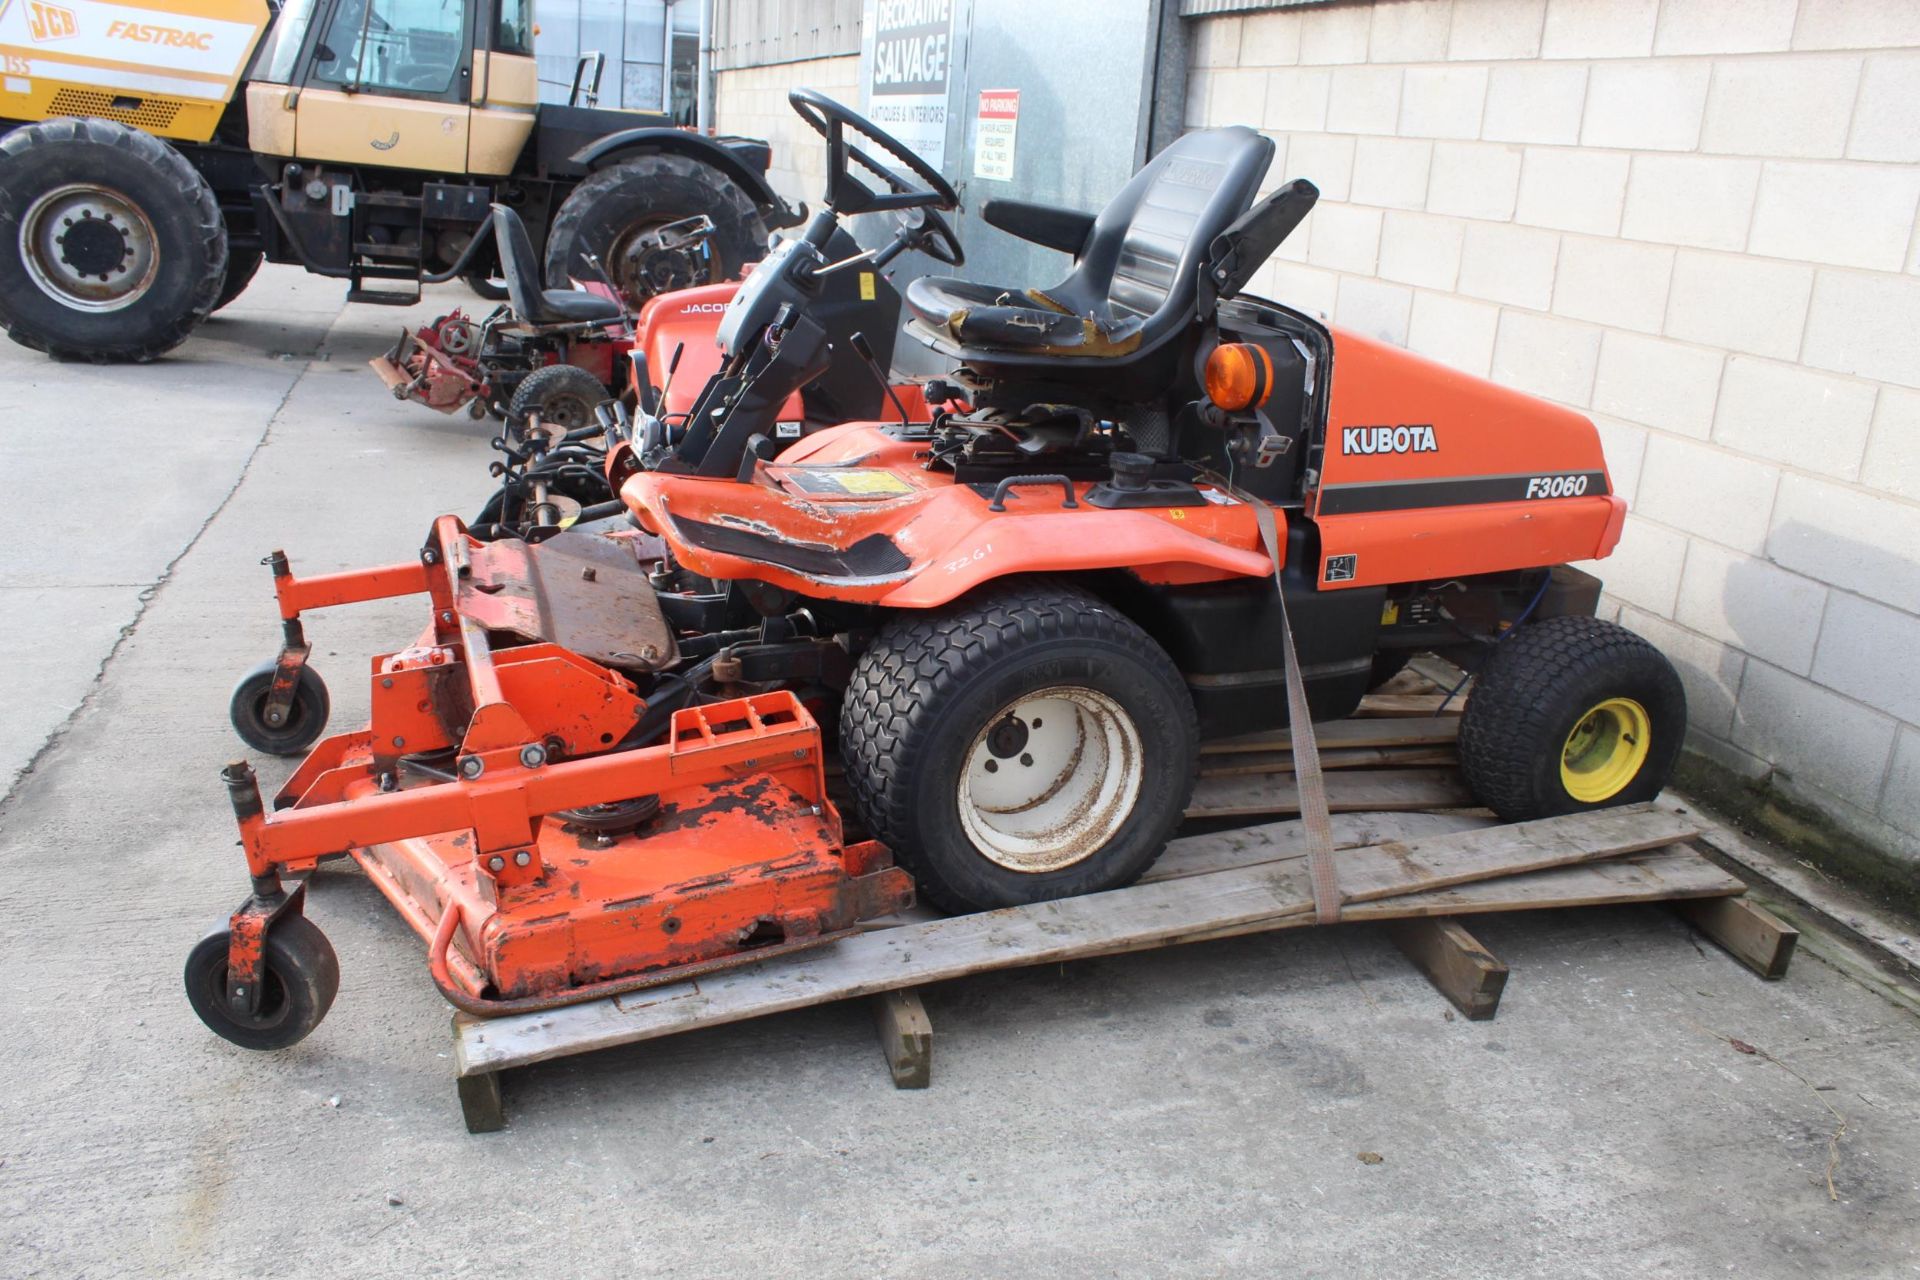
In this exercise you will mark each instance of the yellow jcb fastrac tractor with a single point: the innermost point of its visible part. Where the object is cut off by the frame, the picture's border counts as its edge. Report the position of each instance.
(154, 152)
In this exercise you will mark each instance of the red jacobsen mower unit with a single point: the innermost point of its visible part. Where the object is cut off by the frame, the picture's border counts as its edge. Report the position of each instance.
(559, 356)
(603, 764)
(581, 349)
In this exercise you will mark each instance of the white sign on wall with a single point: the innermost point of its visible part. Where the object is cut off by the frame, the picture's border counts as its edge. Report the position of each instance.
(905, 89)
(994, 134)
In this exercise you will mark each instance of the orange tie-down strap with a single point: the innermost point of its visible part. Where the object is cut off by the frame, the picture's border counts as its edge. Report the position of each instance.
(1306, 751)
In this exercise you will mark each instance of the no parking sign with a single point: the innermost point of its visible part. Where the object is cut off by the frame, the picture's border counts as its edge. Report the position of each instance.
(994, 134)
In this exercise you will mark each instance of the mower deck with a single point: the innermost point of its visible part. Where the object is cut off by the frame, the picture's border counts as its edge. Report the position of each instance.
(484, 800)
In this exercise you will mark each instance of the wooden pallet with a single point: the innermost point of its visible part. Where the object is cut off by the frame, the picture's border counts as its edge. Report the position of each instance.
(1415, 854)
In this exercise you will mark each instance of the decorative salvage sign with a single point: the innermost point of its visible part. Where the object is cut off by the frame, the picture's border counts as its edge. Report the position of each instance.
(993, 134)
(907, 72)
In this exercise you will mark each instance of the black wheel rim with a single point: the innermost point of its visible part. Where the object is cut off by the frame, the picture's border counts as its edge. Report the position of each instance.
(274, 1005)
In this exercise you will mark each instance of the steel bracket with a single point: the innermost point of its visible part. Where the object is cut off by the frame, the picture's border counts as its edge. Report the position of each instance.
(247, 944)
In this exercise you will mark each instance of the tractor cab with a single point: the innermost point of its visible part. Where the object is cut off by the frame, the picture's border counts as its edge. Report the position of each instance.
(389, 127)
(452, 88)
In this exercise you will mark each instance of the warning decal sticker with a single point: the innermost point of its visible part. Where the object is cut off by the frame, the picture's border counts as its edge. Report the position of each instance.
(848, 482)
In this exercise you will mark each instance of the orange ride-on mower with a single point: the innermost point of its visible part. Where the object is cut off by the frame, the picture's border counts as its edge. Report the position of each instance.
(600, 767)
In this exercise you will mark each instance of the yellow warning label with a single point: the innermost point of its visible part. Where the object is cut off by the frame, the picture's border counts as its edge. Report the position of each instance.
(848, 482)
(872, 482)
(1389, 613)
(866, 286)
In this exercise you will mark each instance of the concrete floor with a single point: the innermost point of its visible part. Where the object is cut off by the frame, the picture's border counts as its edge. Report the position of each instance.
(1196, 1111)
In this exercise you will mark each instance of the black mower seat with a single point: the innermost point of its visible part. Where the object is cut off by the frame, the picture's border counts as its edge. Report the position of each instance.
(539, 306)
(1138, 262)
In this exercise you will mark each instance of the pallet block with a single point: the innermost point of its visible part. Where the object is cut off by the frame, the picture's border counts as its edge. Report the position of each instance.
(1458, 966)
(1747, 931)
(480, 1103)
(906, 1038)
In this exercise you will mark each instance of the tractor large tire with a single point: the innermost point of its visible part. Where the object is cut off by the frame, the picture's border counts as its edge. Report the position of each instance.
(603, 214)
(1571, 714)
(242, 266)
(1026, 743)
(111, 244)
(484, 284)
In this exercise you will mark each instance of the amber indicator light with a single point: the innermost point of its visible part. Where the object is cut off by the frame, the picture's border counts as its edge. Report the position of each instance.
(1239, 376)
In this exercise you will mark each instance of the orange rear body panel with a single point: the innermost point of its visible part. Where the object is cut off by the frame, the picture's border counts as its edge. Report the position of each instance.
(1431, 473)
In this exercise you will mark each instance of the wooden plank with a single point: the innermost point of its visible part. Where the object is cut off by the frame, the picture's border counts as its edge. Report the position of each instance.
(1454, 961)
(1811, 898)
(1374, 790)
(1435, 672)
(1277, 841)
(934, 951)
(1412, 704)
(1402, 732)
(906, 1037)
(1252, 763)
(1749, 932)
(1664, 875)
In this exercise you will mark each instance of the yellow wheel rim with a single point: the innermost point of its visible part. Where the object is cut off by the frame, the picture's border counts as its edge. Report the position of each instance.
(1605, 750)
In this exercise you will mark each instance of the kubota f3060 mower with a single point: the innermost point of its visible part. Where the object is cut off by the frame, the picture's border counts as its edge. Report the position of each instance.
(601, 766)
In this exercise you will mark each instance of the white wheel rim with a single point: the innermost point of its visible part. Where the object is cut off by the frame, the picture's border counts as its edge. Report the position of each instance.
(1051, 779)
(90, 247)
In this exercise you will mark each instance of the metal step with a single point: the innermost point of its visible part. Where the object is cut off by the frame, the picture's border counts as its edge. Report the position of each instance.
(405, 252)
(383, 297)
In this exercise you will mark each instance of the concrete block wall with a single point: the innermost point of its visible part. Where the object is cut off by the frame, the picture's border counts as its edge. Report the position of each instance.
(1695, 221)
(752, 101)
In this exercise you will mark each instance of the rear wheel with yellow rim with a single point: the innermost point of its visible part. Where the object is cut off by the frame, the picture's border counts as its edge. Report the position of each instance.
(1570, 714)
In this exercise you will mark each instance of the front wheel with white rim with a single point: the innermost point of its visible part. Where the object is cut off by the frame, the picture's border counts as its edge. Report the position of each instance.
(1025, 744)
(111, 243)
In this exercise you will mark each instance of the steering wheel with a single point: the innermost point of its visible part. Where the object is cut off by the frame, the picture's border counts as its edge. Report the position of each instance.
(924, 229)
(846, 194)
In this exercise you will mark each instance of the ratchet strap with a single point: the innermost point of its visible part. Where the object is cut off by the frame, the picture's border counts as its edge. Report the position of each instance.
(1306, 751)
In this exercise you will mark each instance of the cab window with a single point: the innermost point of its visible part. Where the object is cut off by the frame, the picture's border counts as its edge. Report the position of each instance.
(513, 27)
(414, 46)
(280, 51)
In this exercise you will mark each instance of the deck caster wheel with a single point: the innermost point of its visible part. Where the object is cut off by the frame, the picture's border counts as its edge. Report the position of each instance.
(303, 975)
(306, 716)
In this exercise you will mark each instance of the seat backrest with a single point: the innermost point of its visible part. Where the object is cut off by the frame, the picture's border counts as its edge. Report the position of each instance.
(518, 264)
(1144, 254)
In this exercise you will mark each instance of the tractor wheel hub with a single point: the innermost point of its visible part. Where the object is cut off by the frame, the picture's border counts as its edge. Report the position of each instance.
(89, 247)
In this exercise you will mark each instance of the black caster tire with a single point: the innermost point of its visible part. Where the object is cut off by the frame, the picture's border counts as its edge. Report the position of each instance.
(303, 976)
(306, 717)
(1571, 714)
(1024, 744)
(564, 395)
